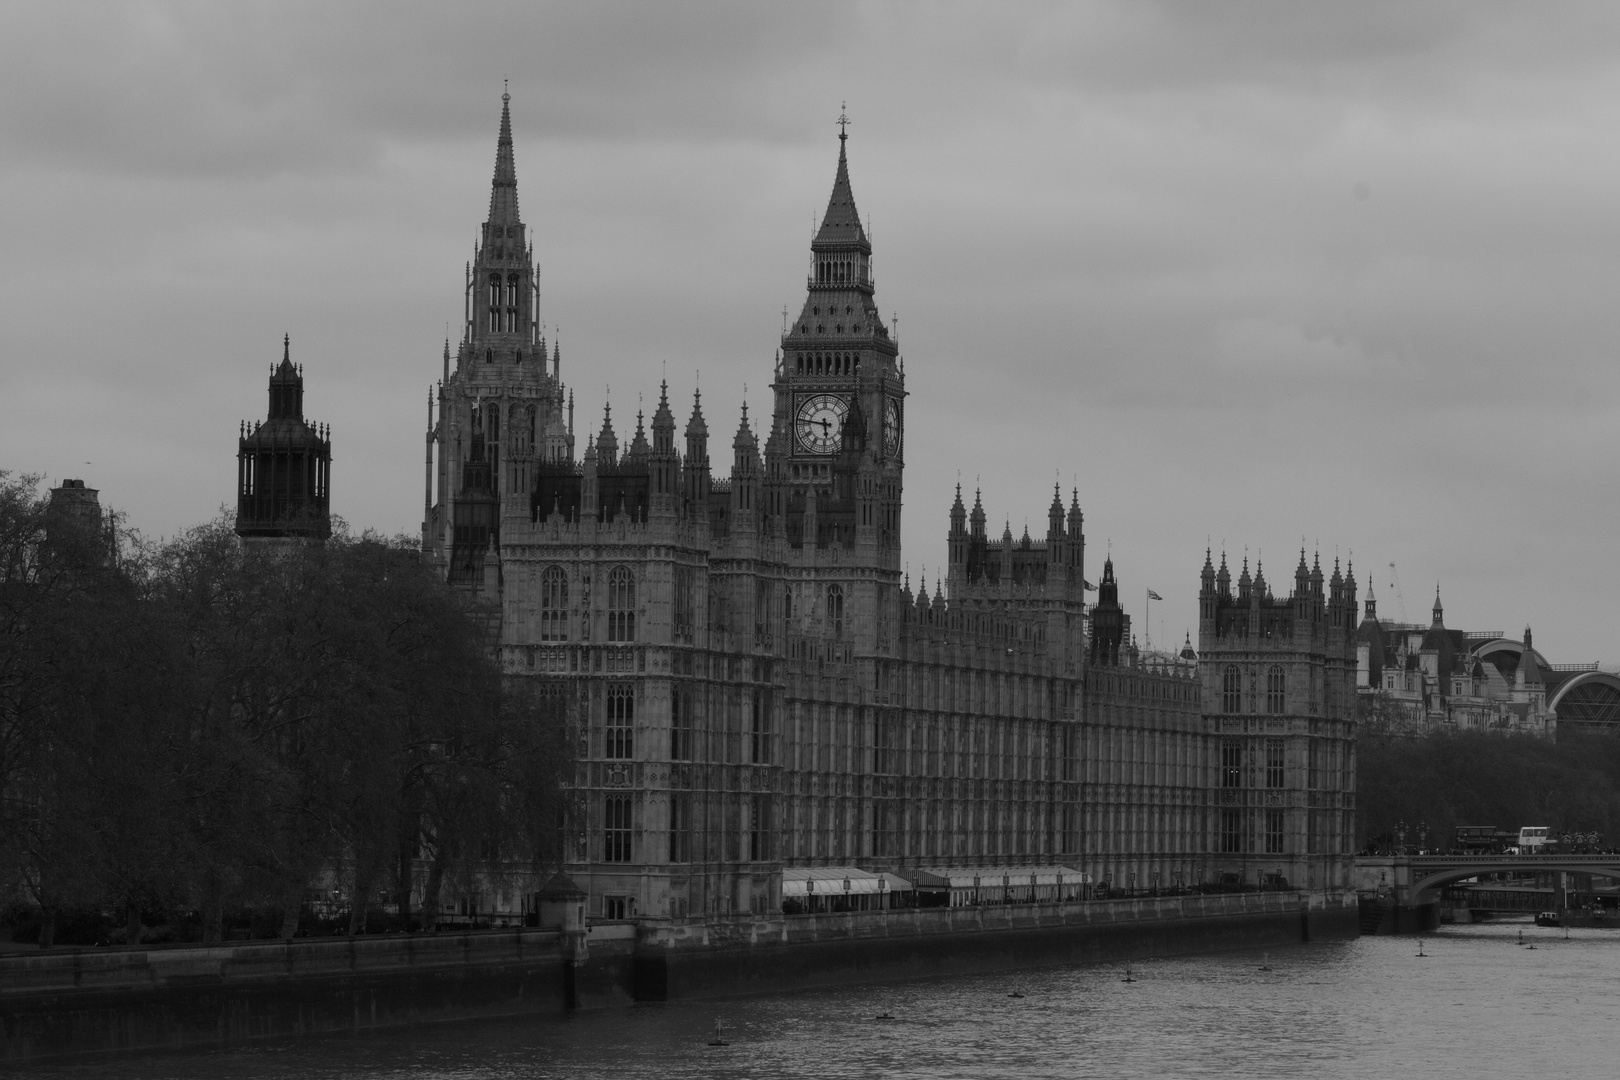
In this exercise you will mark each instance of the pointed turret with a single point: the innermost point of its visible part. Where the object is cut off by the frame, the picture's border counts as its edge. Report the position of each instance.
(745, 442)
(503, 200)
(500, 285)
(662, 456)
(1223, 579)
(607, 444)
(1528, 675)
(1207, 598)
(839, 311)
(638, 443)
(1056, 548)
(744, 474)
(1077, 544)
(695, 467)
(1107, 619)
(841, 224)
(663, 423)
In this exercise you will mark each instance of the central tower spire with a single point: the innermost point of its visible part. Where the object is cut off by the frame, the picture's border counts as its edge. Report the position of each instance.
(501, 290)
(503, 201)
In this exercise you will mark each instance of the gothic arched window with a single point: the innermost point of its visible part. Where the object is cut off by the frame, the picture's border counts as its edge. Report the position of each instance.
(621, 721)
(835, 610)
(494, 303)
(621, 605)
(553, 604)
(1232, 690)
(511, 303)
(616, 829)
(1276, 685)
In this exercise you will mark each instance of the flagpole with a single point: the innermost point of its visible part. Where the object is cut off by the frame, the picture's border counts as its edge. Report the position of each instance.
(1147, 617)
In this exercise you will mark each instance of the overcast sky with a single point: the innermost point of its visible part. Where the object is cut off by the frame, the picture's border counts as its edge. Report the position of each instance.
(1246, 273)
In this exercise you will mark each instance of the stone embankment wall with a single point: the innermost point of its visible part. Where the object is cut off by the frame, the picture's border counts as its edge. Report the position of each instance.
(698, 959)
(109, 1000)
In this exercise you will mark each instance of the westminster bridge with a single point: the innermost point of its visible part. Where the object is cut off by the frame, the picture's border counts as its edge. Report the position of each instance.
(1401, 893)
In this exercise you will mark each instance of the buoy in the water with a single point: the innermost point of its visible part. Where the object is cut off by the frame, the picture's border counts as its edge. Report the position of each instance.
(717, 1040)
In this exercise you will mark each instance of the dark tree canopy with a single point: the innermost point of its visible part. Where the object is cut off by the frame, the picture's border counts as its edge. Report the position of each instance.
(200, 725)
(1475, 778)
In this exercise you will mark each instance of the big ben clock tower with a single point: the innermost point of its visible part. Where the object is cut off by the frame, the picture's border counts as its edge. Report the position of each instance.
(838, 440)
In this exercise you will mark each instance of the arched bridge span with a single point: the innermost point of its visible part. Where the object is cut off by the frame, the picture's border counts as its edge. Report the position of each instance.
(1430, 872)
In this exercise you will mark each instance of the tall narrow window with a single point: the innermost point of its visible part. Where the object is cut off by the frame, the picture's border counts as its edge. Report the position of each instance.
(756, 829)
(835, 610)
(1274, 832)
(1274, 763)
(1231, 763)
(494, 303)
(621, 605)
(1232, 690)
(553, 604)
(1314, 752)
(616, 830)
(760, 735)
(680, 725)
(684, 603)
(621, 721)
(1276, 682)
(762, 616)
(1231, 831)
(511, 303)
(679, 828)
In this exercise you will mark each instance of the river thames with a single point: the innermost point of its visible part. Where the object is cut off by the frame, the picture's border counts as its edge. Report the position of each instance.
(1477, 1005)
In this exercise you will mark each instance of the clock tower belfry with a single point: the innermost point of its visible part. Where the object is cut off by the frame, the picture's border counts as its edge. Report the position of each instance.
(837, 449)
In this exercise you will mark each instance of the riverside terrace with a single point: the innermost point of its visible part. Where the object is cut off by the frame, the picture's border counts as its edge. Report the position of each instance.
(819, 889)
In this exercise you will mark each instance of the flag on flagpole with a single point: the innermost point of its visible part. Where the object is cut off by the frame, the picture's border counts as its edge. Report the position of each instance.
(1153, 595)
(1089, 586)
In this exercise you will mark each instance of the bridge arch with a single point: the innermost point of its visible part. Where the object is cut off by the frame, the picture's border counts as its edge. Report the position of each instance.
(1432, 879)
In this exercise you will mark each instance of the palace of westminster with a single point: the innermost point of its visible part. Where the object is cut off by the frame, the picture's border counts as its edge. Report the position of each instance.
(755, 687)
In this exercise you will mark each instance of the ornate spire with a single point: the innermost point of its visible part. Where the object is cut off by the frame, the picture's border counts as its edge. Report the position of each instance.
(638, 443)
(607, 442)
(696, 427)
(503, 202)
(745, 434)
(842, 222)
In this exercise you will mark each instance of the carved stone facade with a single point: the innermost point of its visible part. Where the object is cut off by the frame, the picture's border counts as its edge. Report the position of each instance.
(1279, 692)
(755, 685)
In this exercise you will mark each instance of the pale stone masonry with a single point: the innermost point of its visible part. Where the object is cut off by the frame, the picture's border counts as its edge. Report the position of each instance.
(754, 683)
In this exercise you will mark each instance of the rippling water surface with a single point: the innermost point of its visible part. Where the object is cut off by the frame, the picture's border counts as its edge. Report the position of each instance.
(1478, 1006)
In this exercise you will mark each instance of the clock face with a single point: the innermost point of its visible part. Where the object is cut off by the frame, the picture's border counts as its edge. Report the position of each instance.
(891, 428)
(820, 422)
